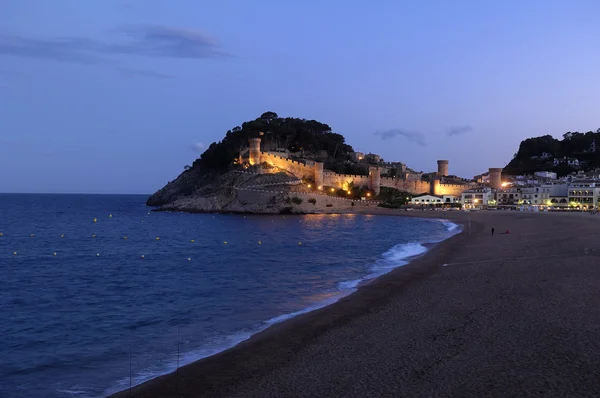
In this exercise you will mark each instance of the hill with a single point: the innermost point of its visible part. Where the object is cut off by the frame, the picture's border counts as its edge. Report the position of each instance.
(308, 139)
(538, 154)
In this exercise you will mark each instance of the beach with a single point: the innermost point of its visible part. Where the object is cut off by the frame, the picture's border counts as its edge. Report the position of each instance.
(478, 315)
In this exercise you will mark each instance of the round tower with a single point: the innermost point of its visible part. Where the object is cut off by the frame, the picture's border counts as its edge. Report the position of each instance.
(496, 178)
(318, 169)
(442, 168)
(375, 179)
(254, 152)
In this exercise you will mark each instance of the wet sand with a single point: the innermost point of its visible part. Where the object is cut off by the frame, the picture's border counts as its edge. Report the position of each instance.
(478, 315)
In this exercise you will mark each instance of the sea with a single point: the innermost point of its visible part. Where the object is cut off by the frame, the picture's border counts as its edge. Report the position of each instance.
(97, 292)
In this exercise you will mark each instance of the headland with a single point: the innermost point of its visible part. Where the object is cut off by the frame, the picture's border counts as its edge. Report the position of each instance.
(478, 315)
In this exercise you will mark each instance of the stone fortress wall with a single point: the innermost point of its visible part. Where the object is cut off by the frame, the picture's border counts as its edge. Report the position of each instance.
(374, 181)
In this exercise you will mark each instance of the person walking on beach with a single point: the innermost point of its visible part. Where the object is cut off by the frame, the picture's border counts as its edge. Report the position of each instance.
(492, 231)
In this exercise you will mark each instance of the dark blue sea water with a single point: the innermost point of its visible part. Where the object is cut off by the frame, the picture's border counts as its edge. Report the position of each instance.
(78, 300)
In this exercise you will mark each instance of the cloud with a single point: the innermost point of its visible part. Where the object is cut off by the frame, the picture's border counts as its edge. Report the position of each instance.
(146, 40)
(413, 136)
(198, 147)
(458, 130)
(130, 72)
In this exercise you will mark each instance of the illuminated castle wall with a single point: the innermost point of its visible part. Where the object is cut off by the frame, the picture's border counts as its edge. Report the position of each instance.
(314, 170)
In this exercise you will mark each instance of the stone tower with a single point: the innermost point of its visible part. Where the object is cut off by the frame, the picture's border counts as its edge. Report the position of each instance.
(375, 179)
(254, 153)
(442, 168)
(496, 178)
(318, 170)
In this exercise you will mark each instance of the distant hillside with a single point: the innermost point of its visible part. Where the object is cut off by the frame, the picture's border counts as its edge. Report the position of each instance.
(538, 153)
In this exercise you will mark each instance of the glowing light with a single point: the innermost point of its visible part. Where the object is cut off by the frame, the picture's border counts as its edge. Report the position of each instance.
(368, 193)
(332, 189)
(308, 185)
(505, 184)
(320, 188)
(348, 192)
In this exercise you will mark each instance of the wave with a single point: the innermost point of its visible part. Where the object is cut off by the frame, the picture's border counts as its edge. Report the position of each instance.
(395, 257)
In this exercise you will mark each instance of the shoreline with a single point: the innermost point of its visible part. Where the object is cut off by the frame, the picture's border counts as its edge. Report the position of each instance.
(262, 336)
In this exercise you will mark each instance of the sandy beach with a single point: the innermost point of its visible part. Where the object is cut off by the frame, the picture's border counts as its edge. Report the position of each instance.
(478, 315)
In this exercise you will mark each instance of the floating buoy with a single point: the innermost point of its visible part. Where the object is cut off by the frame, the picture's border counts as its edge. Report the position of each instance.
(32, 235)
(299, 243)
(110, 216)
(142, 256)
(259, 242)
(0, 233)
(158, 238)
(14, 253)
(225, 242)
(95, 220)
(142, 220)
(54, 254)
(97, 254)
(93, 235)
(192, 241)
(62, 235)
(125, 238)
(189, 259)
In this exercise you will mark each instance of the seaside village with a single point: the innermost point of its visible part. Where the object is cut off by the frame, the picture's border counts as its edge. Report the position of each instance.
(542, 191)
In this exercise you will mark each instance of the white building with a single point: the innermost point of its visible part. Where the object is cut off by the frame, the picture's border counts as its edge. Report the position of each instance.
(584, 194)
(546, 174)
(570, 161)
(477, 197)
(427, 200)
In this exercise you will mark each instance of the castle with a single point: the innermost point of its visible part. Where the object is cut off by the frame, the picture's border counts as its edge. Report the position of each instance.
(438, 184)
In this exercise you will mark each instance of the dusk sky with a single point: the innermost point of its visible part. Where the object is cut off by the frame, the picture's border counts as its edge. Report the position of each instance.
(117, 96)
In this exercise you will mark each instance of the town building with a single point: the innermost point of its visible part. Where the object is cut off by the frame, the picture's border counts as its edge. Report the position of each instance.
(584, 194)
(477, 198)
(435, 200)
(573, 162)
(545, 174)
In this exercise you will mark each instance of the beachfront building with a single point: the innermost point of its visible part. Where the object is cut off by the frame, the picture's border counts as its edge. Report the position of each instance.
(536, 195)
(584, 194)
(477, 198)
(508, 196)
(426, 200)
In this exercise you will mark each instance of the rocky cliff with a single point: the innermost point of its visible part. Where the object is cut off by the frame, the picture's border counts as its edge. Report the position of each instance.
(231, 192)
